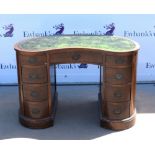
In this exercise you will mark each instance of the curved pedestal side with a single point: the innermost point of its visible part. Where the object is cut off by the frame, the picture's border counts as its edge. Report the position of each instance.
(36, 123)
(42, 122)
(118, 124)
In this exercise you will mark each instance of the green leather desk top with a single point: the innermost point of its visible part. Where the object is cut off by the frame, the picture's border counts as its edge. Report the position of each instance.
(106, 43)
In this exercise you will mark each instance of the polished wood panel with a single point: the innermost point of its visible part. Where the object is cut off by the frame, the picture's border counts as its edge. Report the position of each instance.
(36, 109)
(33, 59)
(35, 74)
(76, 56)
(120, 60)
(35, 92)
(117, 93)
(118, 75)
(117, 110)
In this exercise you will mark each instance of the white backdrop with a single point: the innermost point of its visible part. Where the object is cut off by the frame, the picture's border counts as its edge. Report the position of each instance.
(140, 28)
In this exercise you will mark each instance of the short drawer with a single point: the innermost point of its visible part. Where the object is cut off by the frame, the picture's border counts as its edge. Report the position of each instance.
(35, 92)
(36, 109)
(117, 93)
(76, 57)
(33, 60)
(117, 111)
(118, 75)
(36, 74)
(118, 60)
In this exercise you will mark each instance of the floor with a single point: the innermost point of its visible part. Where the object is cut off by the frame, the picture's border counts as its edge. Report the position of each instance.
(77, 118)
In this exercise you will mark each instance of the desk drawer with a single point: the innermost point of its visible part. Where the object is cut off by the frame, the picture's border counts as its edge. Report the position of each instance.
(36, 74)
(117, 111)
(118, 60)
(36, 109)
(35, 92)
(117, 93)
(118, 75)
(76, 57)
(33, 60)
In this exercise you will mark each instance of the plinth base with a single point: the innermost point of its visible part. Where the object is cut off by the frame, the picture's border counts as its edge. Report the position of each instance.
(118, 124)
(36, 123)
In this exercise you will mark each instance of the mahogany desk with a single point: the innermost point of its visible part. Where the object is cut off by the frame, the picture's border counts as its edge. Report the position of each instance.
(117, 57)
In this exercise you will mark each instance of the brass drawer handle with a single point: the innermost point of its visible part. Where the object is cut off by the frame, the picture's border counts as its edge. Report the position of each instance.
(33, 76)
(32, 60)
(35, 111)
(117, 111)
(117, 94)
(76, 56)
(119, 76)
(34, 94)
(119, 60)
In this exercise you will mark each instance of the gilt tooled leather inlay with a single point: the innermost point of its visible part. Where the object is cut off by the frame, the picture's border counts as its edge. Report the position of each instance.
(107, 43)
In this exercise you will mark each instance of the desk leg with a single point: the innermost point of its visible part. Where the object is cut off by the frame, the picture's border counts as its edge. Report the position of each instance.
(53, 96)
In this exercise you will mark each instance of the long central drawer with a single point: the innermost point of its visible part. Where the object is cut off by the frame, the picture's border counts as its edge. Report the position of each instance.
(76, 57)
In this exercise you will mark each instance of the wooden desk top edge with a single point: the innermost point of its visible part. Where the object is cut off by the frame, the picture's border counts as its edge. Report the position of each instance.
(19, 48)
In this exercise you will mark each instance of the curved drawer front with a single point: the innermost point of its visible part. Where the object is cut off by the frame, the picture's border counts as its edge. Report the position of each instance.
(35, 92)
(76, 57)
(117, 93)
(33, 60)
(118, 60)
(118, 75)
(117, 111)
(36, 109)
(37, 74)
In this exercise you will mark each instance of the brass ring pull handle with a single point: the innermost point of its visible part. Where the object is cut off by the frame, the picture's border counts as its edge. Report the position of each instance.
(35, 111)
(117, 94)
(34, 94)
(118, 76)
(76, 56)
(117, 111)
(33, 76)
(32, 60)
(119, 60)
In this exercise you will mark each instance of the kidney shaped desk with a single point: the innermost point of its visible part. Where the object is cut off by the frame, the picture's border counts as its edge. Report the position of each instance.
(36, 60)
